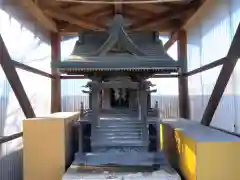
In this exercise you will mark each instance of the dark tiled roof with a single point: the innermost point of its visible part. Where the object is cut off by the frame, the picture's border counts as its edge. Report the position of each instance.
(144, 40)
(84, 60)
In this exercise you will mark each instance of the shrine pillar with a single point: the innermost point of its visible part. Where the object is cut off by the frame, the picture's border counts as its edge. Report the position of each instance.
(106, 99)
(149, 100)
(133, 99)
(143, 107)
(95, 100)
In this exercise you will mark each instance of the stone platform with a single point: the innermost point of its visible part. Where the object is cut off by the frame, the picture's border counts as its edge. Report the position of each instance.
(132, 159)
(119, 173)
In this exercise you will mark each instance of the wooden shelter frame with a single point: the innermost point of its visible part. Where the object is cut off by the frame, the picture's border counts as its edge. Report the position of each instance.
(228, 63)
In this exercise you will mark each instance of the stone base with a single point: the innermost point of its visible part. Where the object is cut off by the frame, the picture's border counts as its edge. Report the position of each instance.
(97, 173)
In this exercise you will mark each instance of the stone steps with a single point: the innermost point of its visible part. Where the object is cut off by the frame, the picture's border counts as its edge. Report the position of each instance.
(119, 132)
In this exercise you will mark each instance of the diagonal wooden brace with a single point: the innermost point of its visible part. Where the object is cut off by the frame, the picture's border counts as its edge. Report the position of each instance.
(223, 78)
(14, 81)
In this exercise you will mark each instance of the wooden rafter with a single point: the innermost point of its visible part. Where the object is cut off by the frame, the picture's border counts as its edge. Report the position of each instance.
(81, 22)
(69, 5)
(136, 10)
(38, 14)
(118, 8)
(100, 12)
(165, 15)
(154, 8)
(197, 4)
(172, 5)
(174, 36)
(139, 17)
(14, 80)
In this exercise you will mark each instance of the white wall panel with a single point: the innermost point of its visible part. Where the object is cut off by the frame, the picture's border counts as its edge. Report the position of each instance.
(24, 47)
(210, 32)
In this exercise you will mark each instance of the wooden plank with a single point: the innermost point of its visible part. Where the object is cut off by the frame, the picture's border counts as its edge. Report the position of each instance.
(135, 9)
(31, 69)
(223, 78)
(163, 16)
(38, 14)
(184, 108)
(99, 12)
(14, 81)
(81, 22)
(206, 67)
(56, 83)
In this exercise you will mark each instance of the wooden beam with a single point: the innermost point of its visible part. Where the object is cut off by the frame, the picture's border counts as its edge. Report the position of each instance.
(206, 67)
(118, 8)
(100, 12)
(81, 22)
(31, 69)
(171, 5)
(70, 5)
(163, 16)
(38, 14)
(196, 4)
(136, 11)
(5, 139)
(56, 83)
(223, 78)
(173, 38)
(154, 8)
(14, 81)
(184, 108)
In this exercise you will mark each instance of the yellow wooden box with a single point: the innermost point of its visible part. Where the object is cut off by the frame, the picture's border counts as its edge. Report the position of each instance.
(47, 146)
(199, 152)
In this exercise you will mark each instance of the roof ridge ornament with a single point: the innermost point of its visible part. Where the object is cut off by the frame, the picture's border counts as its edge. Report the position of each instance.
(119, 37)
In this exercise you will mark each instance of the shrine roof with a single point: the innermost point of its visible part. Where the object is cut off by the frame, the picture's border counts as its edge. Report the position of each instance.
(118, 50)
(117, 62)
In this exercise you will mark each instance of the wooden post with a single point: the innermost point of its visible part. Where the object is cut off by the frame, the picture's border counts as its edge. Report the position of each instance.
(184, 109)
(56, 82)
